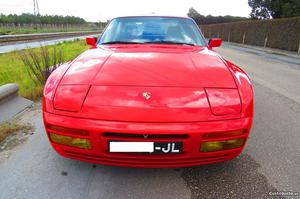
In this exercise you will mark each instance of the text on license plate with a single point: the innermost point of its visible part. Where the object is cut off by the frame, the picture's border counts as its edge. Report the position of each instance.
(144, 147)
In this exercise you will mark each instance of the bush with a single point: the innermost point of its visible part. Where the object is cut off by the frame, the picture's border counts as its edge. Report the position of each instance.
(280, 33)
(41, 63)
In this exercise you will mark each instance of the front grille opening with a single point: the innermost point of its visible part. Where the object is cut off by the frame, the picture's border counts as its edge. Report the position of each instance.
(145, 136)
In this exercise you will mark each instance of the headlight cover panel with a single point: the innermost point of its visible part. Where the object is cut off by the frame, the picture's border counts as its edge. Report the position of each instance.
(70, 97)
(224, 101)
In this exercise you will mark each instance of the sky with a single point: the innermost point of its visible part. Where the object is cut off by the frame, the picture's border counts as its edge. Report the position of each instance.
(102, 10)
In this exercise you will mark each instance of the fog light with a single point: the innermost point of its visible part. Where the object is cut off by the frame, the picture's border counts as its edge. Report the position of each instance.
(70, 141)
(221, 145)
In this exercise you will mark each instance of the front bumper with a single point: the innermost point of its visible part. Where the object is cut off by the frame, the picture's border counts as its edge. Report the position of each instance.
(191, 134)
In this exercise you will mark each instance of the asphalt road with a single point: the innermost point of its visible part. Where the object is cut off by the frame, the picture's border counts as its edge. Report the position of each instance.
(270, 162)
(35, 44)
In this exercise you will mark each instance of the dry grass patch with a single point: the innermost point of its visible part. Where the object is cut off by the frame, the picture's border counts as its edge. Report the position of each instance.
(7, 128)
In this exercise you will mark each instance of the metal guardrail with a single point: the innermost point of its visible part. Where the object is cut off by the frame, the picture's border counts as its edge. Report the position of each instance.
(6, 39)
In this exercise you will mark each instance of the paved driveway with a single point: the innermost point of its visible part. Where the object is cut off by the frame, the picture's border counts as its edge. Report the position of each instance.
(270, 162)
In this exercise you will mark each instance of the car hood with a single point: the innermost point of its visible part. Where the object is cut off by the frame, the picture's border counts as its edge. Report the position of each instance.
(149, 65)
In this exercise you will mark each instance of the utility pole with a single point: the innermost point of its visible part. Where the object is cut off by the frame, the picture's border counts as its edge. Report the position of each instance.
(36, 10)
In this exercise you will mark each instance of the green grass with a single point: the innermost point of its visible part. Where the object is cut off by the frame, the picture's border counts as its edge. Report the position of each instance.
(12, 31)
(12, 69)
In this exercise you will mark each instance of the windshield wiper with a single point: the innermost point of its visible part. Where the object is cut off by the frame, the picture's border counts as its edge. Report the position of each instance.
(121, 42)
(169, 42)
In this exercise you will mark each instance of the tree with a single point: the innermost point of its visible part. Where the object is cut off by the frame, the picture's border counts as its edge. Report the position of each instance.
(260, 9)
(201, 19)
(285, 8)
(265, 9)
(27, 18)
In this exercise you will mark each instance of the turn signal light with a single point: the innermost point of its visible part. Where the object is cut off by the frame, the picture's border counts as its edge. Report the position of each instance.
(221, 145)
(71, 141)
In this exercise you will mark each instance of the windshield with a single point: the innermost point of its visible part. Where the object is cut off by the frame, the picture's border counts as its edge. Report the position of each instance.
(158, 30)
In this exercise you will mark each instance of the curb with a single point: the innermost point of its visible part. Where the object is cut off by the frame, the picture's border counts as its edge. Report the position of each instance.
(10, 103)
(8, 91)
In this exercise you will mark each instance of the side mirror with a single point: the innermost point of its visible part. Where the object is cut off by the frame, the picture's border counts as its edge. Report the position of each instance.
(91, 41)
(214, 42)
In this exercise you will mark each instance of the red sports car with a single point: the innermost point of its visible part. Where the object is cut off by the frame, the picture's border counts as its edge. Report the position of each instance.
(149, 93)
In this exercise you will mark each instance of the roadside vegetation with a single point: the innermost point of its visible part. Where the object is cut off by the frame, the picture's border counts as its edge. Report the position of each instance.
(13, 69)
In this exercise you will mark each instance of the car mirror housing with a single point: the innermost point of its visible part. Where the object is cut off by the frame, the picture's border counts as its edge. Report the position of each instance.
(214, 42)
(91, 41)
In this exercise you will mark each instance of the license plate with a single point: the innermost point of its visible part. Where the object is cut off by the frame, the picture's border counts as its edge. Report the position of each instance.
(145, 147)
